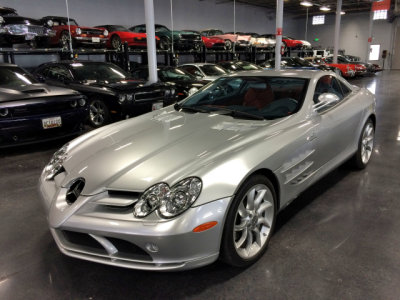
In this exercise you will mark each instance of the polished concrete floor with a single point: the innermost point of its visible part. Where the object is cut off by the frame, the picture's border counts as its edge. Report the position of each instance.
(338, 240)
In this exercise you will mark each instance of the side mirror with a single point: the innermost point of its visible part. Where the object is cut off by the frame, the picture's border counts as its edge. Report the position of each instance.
(325, 101)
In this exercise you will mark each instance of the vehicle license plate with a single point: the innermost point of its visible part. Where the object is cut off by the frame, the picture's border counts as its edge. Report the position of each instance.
(51, 122)
(29, 37)
(157, 105)
(95, 40)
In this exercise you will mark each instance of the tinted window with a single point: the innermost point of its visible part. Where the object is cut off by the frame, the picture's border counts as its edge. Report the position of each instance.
(192, 70)
(57, 73)
(213, 70)
(15, 77)
(345, 89)
(98, 72)
(263, 97)
(327, 84)
(175, 74)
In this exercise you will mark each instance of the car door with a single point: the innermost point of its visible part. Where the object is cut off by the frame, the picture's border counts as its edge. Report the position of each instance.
(335, 132)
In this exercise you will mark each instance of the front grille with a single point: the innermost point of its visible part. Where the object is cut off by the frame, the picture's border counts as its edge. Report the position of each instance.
(150, 95)
(43, 106)
(38, 30)
(92, 32)
(126, 250)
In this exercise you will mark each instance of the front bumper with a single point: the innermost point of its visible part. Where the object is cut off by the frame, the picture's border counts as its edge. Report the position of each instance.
(89, 40)
(93, 232)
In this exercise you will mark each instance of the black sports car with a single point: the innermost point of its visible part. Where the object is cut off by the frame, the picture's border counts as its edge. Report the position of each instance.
(112, 93)
(184, 82)
(238, 66)
(31, 111)
(15, 29)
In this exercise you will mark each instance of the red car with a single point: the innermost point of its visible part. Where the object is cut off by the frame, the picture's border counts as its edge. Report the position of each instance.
(295, 44)
(119, 34)
(212, 42)
(348, 69)
(88, 36)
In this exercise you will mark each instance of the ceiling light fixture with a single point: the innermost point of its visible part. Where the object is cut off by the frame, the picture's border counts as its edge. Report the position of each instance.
(306, 3)
(324, 8)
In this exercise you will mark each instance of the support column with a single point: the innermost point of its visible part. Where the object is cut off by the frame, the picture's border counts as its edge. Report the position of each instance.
(369, 41)
(337, 31)
(151, 40)
(279, 22)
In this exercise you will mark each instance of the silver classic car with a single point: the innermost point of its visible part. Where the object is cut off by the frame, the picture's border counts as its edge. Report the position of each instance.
(204, 179)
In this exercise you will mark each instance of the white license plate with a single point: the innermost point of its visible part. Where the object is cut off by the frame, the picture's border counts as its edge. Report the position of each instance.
(157, 105)
(51, 122)
(29, 37)
(95, 40)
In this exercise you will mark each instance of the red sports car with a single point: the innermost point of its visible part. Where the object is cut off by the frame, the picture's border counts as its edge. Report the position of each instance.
(88, 36)
(211, 42)
(348, 69)
(119, 34)
(296, 44)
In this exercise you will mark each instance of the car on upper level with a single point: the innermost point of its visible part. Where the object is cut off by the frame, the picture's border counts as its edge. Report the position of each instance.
(112, 93)
(204, 71)
(205, 179)
(32, 112)
(212, 43)
(184, 83)
(181, 40)
(296, 44)
(262, 41)
(231, 39)
(118, 35)
(233, 66)
(80, 35)
(16, 29)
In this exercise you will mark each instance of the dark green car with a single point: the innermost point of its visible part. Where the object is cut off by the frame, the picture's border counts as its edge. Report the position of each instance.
(182, 40)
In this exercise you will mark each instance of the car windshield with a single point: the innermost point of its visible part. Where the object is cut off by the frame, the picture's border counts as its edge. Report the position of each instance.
(98, 72)
(213, 70)
(117, 28)
(162, 29)
(246, 66)
(64, 22)
(249, 97)
(217, 32)
(12, 77)
(175, 74)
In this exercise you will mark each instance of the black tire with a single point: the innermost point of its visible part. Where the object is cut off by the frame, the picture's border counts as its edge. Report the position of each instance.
(116, 42)
(365, 148)
(197, 47)
(64, 40)
(228, 45)
(99, 113)
(164, 44)
(230, 253)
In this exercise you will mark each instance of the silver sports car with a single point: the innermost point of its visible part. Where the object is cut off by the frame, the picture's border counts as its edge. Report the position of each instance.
(204, 179)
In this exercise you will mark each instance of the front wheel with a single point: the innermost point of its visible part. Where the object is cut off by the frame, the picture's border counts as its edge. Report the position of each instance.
(365, 146)
(99, 113)
(249, 223)
(228, 45)
(164, 44)
(116, 42)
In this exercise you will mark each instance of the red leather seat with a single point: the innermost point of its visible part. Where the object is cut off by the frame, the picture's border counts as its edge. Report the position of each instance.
(258, 98)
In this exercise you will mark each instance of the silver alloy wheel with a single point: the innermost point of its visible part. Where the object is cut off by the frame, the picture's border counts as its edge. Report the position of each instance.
(253, 221)
(98, 112)
(228, 44)
(116, 42)
(367, 143)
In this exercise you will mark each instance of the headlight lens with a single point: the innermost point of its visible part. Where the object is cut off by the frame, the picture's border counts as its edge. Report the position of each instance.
(74, 103)
(105, 32)
(169, 202)
(50, 23)
(82, 102)
(55, 164)
(3, 112)
(17, 29)
(121, 98)
(192, 91)
(129, 97)
(78, 31)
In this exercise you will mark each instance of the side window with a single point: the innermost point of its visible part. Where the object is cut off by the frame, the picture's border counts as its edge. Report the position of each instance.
(327, 84)
(59, 73)
(192, 70)
(345, 89)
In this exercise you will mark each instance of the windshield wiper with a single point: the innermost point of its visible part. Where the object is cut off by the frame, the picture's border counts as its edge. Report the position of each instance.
(179, 107)
(239, 114)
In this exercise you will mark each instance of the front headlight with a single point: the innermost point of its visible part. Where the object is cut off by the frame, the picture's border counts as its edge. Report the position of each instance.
(55, 164)
(169, 202)
(78, 31)
(105, 32)
(50, 23)
(121, 98)
(192, 91)
(17, 29)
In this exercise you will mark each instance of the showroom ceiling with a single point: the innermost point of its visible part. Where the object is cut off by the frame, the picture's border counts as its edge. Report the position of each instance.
(294, 7)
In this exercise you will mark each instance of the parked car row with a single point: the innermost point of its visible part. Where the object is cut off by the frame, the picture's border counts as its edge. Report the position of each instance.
(60, 97)
(58, 31)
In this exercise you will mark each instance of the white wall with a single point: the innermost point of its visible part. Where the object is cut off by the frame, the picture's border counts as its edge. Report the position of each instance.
(188, 14)
(353, 33)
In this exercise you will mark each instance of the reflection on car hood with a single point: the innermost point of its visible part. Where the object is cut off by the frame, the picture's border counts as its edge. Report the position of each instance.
(187, 83)
(163, 145)
(37, 90)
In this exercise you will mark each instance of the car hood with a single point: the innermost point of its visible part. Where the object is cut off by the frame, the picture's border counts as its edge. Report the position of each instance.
(118, 86)
(21, 20)
(37, 90)
(165, 145)
(186, 83)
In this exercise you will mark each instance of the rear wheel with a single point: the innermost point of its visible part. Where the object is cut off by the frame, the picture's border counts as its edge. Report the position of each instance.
(64, 40)
(228, 44)
(164, 44)
(250, 222)
(116, 42)
(99, 113)
(365, 146)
